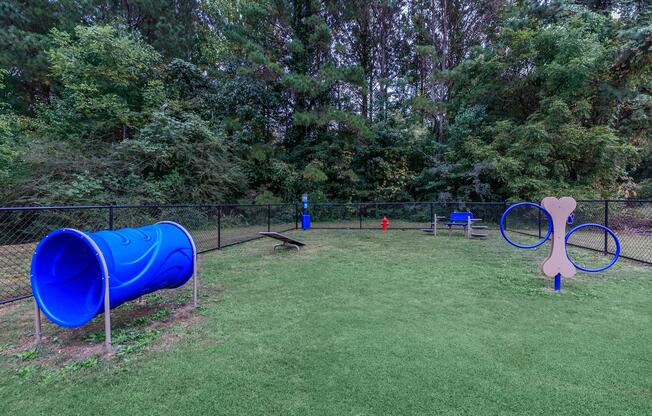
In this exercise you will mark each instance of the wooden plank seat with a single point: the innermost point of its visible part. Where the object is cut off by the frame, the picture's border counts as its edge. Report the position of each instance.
(287, 242)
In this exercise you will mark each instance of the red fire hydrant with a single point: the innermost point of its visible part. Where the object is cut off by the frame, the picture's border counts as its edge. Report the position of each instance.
(384, 223)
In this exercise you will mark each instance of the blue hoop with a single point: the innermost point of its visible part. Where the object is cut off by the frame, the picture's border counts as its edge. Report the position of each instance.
(532, 204)
(616, 255)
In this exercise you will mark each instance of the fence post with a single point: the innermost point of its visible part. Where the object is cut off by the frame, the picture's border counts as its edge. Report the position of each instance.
(360, 214)
(505, 209)
(296, 216)
(432, 214)
(269, 217)
(37, 322)
(606, 224)
(111, 217)
(219, 227)
(539, 215)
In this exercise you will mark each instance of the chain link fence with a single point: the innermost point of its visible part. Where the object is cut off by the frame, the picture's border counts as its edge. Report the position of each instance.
(217, 226)
(630, 220)
(21, 229)
(401, 215)
(212, 227)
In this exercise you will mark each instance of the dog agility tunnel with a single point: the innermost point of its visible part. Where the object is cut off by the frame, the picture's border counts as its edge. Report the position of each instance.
(69, 268)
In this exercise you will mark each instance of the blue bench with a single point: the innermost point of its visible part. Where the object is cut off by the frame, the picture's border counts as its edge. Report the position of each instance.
(467, 221)
(459, 219)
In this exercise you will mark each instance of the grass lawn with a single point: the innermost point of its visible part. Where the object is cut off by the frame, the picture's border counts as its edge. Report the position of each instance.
(361, 323)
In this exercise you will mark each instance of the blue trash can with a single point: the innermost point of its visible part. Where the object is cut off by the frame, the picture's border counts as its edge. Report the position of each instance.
(305, 221)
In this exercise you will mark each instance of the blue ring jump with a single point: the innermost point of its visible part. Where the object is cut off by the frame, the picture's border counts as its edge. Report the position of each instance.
(550, 230)
(532, 204)
(602, 227)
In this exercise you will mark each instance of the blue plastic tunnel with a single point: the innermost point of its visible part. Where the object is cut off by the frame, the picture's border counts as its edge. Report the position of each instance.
(69, 268)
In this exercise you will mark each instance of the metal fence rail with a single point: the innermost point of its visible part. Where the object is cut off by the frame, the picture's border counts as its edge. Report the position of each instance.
(217, 226)
(212, 226)
(401, 215)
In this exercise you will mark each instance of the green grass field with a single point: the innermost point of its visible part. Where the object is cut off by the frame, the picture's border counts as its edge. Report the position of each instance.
(366, 323)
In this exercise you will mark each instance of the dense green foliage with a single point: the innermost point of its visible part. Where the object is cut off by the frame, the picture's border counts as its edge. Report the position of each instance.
(261, 100)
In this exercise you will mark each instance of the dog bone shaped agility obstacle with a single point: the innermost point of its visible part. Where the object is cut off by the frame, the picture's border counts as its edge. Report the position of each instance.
(558, 261)
(559, 212)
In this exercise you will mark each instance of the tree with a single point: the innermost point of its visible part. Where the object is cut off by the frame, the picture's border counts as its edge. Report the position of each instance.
(262, 100)
(12, 149)
(525, 113)
(24, 45)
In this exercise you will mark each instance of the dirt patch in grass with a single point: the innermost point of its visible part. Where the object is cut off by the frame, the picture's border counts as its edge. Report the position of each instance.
(154, 322)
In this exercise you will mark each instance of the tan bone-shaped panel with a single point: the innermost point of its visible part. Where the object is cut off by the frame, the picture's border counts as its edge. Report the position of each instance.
(557, 261)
